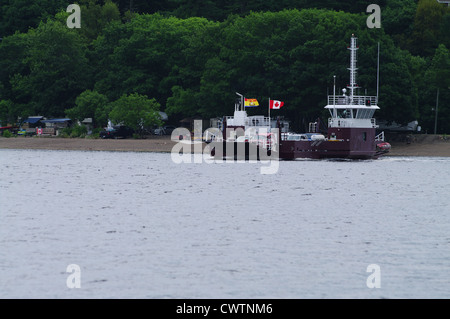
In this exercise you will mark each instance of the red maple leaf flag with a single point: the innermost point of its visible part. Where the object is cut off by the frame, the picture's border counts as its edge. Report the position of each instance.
(276, 105)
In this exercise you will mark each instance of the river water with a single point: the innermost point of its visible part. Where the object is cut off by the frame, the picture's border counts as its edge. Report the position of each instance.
(140, 226)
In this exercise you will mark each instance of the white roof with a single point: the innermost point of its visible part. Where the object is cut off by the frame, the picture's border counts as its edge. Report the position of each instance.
(343, 107)
(163, 116)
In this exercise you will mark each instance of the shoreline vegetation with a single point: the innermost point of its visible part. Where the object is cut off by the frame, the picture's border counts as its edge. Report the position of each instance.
(132, 59)
(420, 145)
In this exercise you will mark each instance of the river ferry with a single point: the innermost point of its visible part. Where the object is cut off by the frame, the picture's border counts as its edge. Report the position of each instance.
(351, 132)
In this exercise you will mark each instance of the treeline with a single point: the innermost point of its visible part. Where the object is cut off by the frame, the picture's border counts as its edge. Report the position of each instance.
(19, 15)
(188, 58)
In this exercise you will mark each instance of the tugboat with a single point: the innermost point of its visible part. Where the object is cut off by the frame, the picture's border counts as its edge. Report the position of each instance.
(351, 132)
(351, 128)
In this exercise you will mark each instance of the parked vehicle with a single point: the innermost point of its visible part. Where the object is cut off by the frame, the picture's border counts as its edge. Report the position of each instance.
(164, 130)
(118, 131)
(263, 140)
(26, 132)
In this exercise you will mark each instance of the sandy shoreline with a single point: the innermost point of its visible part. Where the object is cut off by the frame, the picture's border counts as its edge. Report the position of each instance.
(424, 146)
(154, 144)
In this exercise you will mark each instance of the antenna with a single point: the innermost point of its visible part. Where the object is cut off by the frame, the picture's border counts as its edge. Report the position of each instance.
(334, 96)
(378, 71)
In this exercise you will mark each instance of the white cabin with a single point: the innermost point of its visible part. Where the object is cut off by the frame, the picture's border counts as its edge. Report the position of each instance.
(357, 112)
(352, 110)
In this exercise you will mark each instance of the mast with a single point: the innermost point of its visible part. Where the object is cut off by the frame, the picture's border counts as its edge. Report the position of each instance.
(353, 69)
(351, 110)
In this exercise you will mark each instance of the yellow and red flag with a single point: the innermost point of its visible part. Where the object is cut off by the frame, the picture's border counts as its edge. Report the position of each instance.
(251, 102)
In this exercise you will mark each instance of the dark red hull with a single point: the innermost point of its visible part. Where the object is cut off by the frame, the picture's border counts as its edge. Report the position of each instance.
(350, 143)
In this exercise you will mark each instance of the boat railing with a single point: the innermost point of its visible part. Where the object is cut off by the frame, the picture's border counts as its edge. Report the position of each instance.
(380, 137)
(355, 100)
(256, 122)
(352, 122)
(252, 121)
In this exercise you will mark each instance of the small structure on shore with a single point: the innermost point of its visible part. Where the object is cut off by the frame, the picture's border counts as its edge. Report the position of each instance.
(52, 126)
(32, 122)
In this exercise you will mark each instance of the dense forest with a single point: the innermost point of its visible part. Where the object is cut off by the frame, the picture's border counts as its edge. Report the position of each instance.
(189, 57)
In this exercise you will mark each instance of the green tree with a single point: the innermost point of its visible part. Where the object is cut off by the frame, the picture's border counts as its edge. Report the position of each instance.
(220, 10)
(136, 111)
(6, 113)
(12, 63)
(52, 72)
(182, 101)
(149, 55)
(90, 104)
(292, 56)
(95, 17)
(398, 20)
(437, 77)
(144, 6)
(21, 15)
(193, 66)
(427, 24)
(445, 26)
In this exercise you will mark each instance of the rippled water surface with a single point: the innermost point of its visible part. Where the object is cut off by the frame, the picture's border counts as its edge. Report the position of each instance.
(140, 226)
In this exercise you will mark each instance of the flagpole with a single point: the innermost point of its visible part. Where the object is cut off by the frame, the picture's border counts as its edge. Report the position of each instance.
(269, 113)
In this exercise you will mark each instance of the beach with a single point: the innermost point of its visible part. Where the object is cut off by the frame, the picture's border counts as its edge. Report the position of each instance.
(152, 144)
(419, 145)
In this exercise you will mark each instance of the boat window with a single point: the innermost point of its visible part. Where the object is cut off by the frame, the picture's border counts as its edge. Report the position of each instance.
(364, 136)
(350, 113)
(359, 114)
(345, 114)
(363, 114)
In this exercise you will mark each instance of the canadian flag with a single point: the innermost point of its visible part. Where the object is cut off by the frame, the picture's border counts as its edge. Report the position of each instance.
(276, 105)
